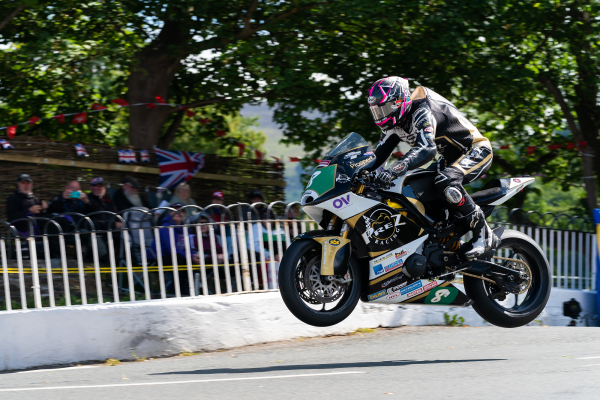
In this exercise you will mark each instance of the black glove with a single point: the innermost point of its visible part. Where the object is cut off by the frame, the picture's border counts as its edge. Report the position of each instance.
(384, 180)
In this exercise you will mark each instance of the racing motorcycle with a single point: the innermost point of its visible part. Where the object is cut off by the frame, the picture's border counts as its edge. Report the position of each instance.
(402, 245)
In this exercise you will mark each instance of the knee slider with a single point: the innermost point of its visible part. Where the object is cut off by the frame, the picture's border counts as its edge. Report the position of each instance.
(453, 195)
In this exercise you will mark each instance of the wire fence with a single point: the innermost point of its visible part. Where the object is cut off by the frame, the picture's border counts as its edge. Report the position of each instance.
(142, 254)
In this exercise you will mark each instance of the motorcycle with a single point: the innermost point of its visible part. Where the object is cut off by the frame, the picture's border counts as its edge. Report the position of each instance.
(401, 245)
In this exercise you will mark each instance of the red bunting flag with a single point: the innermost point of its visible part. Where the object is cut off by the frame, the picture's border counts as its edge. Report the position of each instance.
(570, 146)
(505, 147)
(189, 113)
(295, 159)
(241, 147)
(259, 157)
(316, 160)
(221, 133)
(530, 150)
(204, 121)
(120, 102)
(278, 163)
(160, 100)
(555, 146)
(150, 106)
(80, 118)
(97, 106)
(33, 120)
(11, 131)
(60, 118)
(583, 143)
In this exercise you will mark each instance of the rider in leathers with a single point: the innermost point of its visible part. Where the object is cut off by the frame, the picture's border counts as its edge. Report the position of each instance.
(431, 124)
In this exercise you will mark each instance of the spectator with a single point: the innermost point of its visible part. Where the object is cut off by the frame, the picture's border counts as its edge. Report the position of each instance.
(182, 196)
(174, 218)
(206, 241)
(255, 196)
(99, 203)
(217, 213)
(22, 203)
(72, 199)
(170, 219)
(128, 195)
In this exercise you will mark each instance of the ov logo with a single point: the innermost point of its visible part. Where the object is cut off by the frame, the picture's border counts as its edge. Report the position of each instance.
(341, 202)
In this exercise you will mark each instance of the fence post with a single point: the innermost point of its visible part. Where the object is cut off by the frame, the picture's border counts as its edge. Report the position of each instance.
(597, 245)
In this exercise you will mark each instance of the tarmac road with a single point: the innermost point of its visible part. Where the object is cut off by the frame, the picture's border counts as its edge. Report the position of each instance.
(410, 362)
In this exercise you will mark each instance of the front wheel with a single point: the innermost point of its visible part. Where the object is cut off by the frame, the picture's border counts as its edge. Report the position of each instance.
(513, 310)
(315, 299)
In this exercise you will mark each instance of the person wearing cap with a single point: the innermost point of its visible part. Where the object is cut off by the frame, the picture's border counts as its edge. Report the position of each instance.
(217, 213)
(71, 199)
(129, 196)
(98, 202)
(182, 195)
(22, 203)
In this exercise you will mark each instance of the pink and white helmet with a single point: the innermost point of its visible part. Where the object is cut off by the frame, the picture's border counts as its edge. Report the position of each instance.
(389, 100)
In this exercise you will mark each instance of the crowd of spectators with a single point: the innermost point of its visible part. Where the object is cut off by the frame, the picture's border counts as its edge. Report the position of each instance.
(68, 206)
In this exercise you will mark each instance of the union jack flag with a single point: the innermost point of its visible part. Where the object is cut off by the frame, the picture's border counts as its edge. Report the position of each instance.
(81, 150)
(5, 144)
(177, 166)
(145, 155)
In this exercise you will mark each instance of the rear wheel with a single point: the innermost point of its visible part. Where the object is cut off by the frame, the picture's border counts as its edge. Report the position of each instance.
(315, 299)
(513, 310)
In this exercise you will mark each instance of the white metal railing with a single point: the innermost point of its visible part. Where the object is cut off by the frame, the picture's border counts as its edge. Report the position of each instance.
(72, 263)
(571, 254)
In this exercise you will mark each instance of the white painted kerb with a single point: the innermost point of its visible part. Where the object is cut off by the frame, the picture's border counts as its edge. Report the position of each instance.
(65, 335)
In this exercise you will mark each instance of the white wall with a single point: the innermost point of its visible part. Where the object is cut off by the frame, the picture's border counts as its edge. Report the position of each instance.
(166, 327)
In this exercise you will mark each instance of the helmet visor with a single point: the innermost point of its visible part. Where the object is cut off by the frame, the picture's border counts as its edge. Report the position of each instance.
(382, 112)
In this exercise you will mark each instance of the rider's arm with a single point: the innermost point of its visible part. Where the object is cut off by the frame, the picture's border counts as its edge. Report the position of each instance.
(386, 146)
(424, 148)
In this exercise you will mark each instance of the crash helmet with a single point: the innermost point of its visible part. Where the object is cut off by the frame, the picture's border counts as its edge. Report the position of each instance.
(389, 100)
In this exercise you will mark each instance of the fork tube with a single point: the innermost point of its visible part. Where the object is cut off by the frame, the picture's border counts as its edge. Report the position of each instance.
(359, 189)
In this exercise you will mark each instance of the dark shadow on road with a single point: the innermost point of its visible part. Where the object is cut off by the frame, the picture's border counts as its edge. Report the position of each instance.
(275, 368)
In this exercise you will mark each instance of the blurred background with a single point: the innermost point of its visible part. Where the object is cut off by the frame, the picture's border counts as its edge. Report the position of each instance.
(289, 78)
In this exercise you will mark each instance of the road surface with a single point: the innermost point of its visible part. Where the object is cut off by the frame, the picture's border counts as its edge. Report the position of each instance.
(407, 363)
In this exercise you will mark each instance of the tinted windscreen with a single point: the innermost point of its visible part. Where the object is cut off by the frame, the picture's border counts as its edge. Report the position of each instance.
(352, 141)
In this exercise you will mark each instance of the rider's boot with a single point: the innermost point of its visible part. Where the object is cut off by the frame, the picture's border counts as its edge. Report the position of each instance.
(483, 237)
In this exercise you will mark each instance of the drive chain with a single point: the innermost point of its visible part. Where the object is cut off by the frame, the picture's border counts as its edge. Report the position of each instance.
(514, 260)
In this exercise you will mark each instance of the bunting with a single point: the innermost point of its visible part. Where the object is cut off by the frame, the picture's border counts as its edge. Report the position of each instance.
(145, 156)
(81, 150)
(5, 144)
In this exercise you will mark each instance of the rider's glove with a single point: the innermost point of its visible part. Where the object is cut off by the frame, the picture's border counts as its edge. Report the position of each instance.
(384, 179)
(363, 176)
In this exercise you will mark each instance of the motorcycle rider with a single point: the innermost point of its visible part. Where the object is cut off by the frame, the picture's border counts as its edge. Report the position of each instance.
(431, 124)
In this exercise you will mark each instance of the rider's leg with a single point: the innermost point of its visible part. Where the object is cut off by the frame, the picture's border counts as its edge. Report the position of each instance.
(449, 183)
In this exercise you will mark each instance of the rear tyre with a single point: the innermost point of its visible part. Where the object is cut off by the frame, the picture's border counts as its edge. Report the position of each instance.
(312, 298)
(509, 310)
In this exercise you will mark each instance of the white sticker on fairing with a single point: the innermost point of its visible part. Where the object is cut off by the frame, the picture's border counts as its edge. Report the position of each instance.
(394, 259)
(408, 292)
(348, 205)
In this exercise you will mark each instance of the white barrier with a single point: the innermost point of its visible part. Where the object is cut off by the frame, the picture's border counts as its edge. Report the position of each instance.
(154, 328)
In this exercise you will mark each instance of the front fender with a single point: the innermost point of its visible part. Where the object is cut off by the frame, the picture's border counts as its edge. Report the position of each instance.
(335, 251)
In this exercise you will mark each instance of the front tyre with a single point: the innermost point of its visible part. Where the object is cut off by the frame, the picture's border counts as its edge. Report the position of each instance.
(314, 299)
(513, 310)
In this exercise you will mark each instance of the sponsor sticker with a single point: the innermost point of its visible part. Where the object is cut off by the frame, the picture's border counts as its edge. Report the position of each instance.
(378, 269)
(394, 279)
(323, 163)
(368, 153)
(381, 269)
(517, 180)
(363, 162)
(423, 289)
(411, 287)
(445, 295)
(342, 178)
(341, 202)
(383, 257)
(381, 226)
(429, 129)
(401, 254)
(352, 155)
(334, 242)
(377, 295)
(396, 288)
(393, 296)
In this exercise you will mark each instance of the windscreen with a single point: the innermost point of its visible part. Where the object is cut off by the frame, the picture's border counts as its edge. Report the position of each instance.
(352, 141)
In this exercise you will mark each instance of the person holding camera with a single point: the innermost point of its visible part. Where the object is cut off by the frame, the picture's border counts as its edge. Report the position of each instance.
(72, 199)
(22, 203)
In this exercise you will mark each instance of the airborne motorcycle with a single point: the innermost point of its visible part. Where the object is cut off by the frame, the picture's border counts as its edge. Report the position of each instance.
(403, 246)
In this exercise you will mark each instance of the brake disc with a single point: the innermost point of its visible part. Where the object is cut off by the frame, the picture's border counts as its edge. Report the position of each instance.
(523, 268)
(322, 288)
